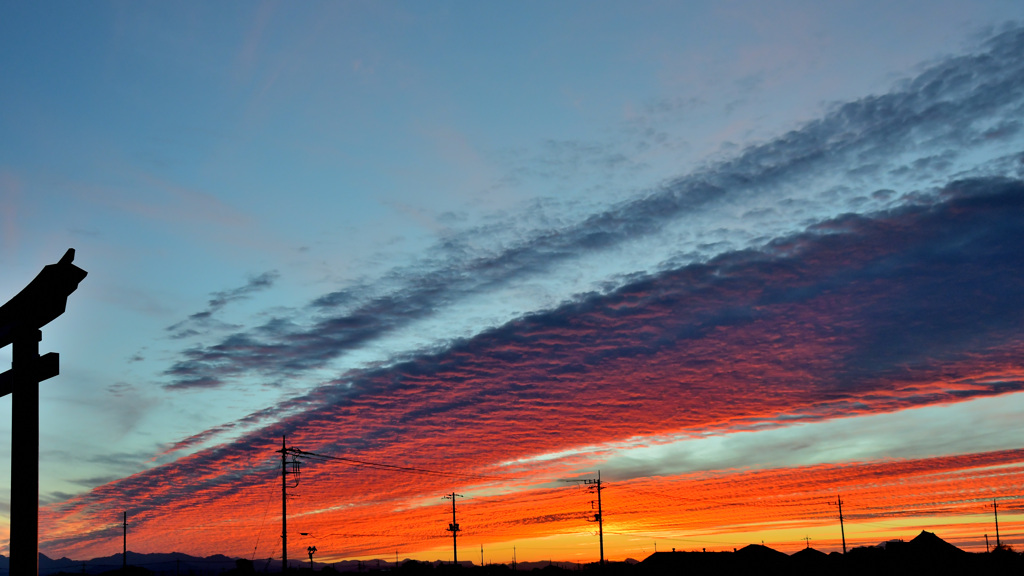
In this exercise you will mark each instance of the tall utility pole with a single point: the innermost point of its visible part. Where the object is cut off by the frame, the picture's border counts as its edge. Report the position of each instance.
(481, 555)
(285, 450)
(454, 529)
(124, 548)
(842, 530)
(595, 486)
(284, 505)
(996, 512)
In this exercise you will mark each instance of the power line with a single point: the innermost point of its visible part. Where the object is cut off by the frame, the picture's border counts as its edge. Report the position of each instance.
(676, 538)
(701, 500)
(266, 509)
(396, 468)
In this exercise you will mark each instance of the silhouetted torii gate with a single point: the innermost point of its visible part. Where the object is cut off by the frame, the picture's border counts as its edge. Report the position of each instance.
(21, 320)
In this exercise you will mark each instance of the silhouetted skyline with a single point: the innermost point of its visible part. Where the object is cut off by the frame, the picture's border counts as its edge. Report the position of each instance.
(925, 553)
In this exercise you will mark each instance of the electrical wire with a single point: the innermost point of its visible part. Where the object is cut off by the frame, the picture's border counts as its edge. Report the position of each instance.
(396, 468)
(266, 509)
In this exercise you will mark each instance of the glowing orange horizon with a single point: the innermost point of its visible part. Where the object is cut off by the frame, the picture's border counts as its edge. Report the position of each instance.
(864, 318)
(951, 496)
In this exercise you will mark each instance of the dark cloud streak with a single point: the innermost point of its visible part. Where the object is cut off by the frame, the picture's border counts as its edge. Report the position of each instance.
(934, 118)
(196, 323)
(861, 314)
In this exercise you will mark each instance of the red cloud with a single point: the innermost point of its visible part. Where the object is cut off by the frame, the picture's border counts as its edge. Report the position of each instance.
(865, 320)
(348, 519)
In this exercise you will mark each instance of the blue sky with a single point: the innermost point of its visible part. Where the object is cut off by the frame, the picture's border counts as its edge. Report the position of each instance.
(272, 199)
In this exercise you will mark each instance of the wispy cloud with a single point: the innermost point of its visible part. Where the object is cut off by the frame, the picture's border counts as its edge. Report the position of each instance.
(862, 314)
(857, 314)
(203, 320)
(921, 131)
(887, 301)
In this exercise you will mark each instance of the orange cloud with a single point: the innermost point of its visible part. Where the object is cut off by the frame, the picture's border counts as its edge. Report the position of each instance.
(861, 316)
(354, 512)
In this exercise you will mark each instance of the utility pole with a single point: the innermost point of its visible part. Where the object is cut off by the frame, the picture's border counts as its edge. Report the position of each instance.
(842, 530)
(987, 549)
(285, 450)
(996, 512)
(481, 555)
(284, 505)
(454, 528)
(124, 547)
(513, 558)
(595, 486)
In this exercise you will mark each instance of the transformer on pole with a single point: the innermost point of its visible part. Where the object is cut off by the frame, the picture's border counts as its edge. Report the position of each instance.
(594, 485)
(287, 468)
(454, 529)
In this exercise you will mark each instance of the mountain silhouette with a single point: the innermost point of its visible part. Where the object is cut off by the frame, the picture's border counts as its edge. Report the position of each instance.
(927, 554)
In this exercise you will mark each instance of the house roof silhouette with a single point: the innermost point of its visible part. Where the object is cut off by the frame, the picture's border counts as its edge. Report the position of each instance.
(928, 543)
(809, 554)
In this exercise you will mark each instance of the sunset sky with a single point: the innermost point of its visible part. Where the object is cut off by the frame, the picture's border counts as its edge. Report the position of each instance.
(742, 258)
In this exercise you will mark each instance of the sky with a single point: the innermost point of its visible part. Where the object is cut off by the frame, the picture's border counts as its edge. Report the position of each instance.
(741, 259)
